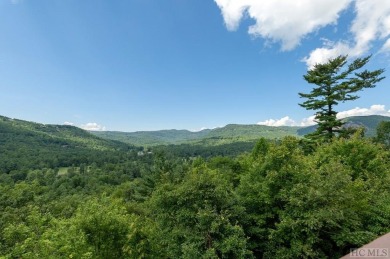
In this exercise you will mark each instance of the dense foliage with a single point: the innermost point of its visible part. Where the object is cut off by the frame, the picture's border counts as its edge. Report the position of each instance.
(383, 133)
(205, 150)
(282, 200)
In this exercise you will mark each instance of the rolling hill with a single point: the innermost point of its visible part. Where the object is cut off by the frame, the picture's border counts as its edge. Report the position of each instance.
(26, 144)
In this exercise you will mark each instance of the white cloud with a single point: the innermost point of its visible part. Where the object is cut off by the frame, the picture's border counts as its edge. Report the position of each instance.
(307, 121)
(371, 24)
(285, 121)
(205, 128)
(198, 130)
(68, 123)
(322, 55)
(282, 20)
(288, 22)
(376, 109)
(93, 126)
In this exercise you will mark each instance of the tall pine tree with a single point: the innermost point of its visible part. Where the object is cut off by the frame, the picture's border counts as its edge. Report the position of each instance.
(336, 82)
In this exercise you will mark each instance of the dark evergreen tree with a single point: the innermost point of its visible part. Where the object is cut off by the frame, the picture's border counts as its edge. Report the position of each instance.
(336, 82)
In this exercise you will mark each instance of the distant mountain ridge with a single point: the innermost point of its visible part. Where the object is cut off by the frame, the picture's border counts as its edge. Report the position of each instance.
(230, 133)
(223, 135)
(30, 145)
(70, 136)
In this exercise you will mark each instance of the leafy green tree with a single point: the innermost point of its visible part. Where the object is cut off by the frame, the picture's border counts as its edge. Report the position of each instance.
(270, 174)
(383, 133)
(21, 238)
(317, 205)
(261, 148)
(105, 226)
(336, 82)
(198, 218)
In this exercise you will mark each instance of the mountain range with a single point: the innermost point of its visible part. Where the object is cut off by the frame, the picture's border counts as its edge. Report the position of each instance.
(32, 145)
(230, 133)
(26, 133)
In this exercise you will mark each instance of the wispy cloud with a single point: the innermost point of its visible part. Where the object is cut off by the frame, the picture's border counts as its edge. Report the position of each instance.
(386, 47)
(93, 126)
(204, 128)
(68, 123)
(371, 25)
(376, 109)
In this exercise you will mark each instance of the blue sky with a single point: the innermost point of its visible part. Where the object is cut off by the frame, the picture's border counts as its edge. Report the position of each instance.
(132, 65)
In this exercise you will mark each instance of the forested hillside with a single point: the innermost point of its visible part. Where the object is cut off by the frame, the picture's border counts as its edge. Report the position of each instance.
(72, 195)
(160, 137)
(28, 145)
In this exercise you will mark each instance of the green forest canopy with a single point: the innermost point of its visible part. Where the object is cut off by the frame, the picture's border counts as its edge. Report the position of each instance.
(283, 199)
